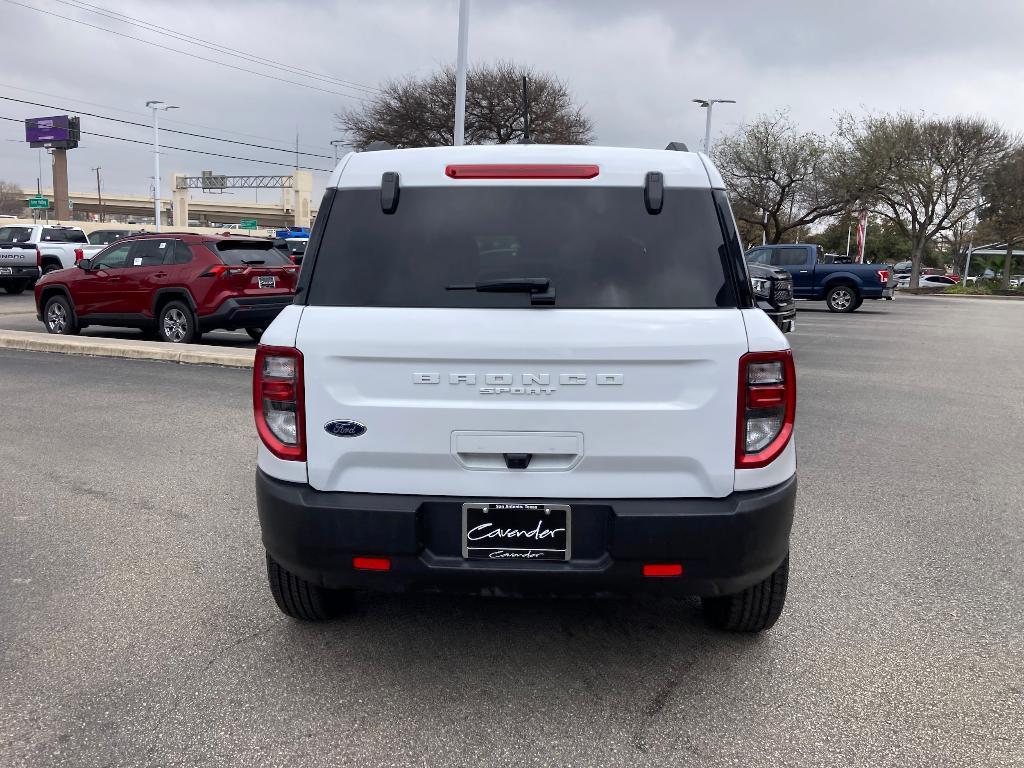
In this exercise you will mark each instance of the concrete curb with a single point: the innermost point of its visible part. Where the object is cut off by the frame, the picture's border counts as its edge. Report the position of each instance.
(194, 354)
(940, 295)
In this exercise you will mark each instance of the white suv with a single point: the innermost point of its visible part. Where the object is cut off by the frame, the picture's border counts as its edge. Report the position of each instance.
(526, 369)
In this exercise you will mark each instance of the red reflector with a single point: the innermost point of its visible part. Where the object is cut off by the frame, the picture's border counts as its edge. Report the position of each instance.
(517, 171)
(765, 397)
(663, 569)
(371, 563)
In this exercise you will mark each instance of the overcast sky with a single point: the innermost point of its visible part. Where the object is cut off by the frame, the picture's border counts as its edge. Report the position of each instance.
(634, 66)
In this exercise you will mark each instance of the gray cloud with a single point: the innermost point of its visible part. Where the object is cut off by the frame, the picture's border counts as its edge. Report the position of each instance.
(634, 65)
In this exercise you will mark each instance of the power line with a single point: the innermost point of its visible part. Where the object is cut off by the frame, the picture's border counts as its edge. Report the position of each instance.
(187, 149)
(143, 114)
(183, 53)
(168, 130)
(124, 18)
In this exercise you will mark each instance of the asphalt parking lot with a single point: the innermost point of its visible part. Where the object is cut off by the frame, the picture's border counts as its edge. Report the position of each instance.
(138, 630)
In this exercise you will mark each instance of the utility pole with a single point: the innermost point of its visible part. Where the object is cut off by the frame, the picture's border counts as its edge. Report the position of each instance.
(460, 74)
(708, 104)
(99, 192)
(526, 113)
(156, 106)
(970, 243)
(338, 143)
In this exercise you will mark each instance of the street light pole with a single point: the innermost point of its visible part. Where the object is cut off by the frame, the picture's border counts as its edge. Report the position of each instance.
(708, 104)
(338, 143)
(99, 191)
(156, 106)
(460, 74)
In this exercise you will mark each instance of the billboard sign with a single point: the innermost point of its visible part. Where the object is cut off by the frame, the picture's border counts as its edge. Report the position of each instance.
(59, 131)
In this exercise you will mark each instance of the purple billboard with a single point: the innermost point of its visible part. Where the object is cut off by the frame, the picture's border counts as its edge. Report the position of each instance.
(59, 132)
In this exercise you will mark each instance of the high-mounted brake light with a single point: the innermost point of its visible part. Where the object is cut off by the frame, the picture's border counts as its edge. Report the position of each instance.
(766, 407)
(277, 401)
(518, 171)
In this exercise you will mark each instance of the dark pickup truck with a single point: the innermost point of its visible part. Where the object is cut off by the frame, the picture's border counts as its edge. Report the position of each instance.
(843, 287)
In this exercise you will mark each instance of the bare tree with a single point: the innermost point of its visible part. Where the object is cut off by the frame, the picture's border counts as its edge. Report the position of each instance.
(12, 200)
(420, 112)
(1002, 214)
(780, 179)
(922, 174)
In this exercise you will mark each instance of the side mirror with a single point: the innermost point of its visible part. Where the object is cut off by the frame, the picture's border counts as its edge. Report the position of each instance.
(85, 264)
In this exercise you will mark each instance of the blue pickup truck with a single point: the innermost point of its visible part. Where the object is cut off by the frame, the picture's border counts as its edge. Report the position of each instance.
(843, 287)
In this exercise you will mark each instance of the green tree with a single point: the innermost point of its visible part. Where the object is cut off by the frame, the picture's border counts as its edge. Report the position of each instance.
(775, 172)
(1002, 213)
(420, 112)
(921, 174)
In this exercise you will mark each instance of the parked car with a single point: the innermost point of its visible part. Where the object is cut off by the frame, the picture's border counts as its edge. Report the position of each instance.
(843, 287)
(176, 285)
(555, 413)
(773, 293)
(107, 236)
(927, 281)
(28, 251)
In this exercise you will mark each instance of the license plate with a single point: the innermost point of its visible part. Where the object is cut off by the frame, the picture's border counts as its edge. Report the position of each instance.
(516, 532)
(267, 282)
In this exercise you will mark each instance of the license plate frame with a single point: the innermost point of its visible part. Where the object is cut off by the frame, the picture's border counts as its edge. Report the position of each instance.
(6, 270)
(266, 281)
(529, 520)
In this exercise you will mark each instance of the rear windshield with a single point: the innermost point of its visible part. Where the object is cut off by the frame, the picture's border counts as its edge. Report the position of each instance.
(15, 234)
(598, 247)
(238, 253)
(55, 235)
(107, 236)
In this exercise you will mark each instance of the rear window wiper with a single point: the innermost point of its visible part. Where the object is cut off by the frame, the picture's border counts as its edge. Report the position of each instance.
(537, 287)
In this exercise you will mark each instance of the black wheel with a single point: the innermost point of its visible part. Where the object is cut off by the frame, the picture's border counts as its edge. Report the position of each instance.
(755, 609)
(842, 298)
(857, 303)
(16, 287)
(58, 317)
(255, 333)
(51, 267)
(176, 323)
(303, 600)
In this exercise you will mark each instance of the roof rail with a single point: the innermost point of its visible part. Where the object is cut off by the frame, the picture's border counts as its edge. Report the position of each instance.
(677, 146)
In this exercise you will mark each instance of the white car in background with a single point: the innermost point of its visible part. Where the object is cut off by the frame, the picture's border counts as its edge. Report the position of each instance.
(926, 281)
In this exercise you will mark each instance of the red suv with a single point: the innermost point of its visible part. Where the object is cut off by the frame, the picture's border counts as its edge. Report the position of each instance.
(178, 285)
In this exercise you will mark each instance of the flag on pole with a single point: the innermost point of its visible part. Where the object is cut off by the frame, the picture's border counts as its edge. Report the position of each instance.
(862, 235)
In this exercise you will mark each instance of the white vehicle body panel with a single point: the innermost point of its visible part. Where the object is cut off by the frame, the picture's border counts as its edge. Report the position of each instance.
(666, 427)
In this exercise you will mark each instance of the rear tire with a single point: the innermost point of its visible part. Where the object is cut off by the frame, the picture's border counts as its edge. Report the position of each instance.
(755, 609)
(857, 303)
(176, 323)
(16, 287)
(59, 317)
(302, 599)
(255, 333)
(842, 298)
(51, 267)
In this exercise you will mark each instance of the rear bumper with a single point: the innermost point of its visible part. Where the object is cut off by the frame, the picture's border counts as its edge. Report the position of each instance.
(18, 273)
(246, 312)
(724, 545)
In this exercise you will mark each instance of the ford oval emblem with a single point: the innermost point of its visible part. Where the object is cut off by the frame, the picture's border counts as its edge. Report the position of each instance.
(345, 428)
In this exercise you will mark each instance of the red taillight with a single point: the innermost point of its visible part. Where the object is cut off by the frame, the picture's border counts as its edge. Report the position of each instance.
(277, 401)
(662, 570)
(883, 276)
(223, 269)
(766, 407)
(79, 255)
(39, 258)
(371, 563)
(517, 171)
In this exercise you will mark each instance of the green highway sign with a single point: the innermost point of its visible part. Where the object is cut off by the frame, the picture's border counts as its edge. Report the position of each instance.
(247, 224)
(38, 202)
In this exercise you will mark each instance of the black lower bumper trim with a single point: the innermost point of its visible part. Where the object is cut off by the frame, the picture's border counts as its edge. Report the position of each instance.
(724, 545)
(252, 312)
